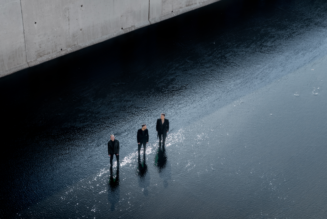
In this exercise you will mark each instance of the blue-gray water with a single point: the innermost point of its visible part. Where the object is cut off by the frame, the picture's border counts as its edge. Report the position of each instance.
(243, 84)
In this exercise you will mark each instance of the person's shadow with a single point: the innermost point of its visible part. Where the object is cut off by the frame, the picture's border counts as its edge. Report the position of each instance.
(144, 178)
(113, 189)
(161, 157)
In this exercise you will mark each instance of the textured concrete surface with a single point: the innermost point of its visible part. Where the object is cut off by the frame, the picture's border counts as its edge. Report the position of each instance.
(55, 28)
(36, 31)
(12, 46)
(163, 9)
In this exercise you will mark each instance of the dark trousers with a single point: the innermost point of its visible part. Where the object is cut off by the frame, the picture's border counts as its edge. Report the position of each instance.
(140, 146)
(163, 137)
(112, 157)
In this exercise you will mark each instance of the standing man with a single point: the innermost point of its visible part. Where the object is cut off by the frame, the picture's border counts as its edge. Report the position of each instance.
(113, 149)
(142, 138)
(162, 128)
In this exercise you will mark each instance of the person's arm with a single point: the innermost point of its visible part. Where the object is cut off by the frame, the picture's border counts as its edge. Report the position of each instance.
(118, 147)
(138, 137)
(157, 125)
(147, 140)
(167, 125)
(109, 149)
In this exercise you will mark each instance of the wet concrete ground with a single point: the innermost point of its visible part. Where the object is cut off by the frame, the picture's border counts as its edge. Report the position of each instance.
(243, 85)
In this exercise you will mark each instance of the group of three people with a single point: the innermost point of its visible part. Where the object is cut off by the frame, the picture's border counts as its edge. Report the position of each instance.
(162, 128)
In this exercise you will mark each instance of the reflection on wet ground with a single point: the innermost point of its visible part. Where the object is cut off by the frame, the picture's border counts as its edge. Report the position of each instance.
(142, 166)
(243, 86)
(113, 191)
(161, 157)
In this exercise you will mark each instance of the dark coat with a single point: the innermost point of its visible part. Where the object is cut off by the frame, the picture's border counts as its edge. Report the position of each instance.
(142, 136)
(162, 128)
(113, 147)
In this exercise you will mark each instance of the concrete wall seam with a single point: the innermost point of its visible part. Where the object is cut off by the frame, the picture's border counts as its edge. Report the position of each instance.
(23, 30)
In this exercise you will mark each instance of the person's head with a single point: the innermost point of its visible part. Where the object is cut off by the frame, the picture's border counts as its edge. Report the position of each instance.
(112, 137)
(144, 126)
(162, 116)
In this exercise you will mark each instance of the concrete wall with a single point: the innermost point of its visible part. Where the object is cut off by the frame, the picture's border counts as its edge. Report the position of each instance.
(12, 45)
(34, 31)
(163, 9)
(57, 27)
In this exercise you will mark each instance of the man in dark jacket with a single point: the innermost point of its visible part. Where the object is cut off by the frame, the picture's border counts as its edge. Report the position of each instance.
(142, 138)
(113, 149)
(162, 128)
